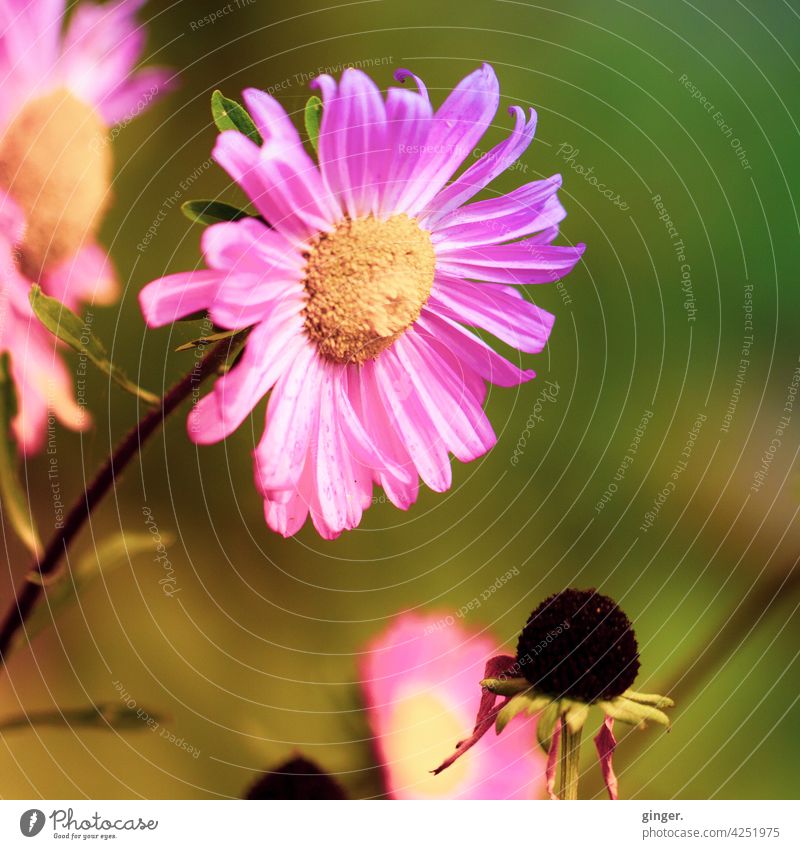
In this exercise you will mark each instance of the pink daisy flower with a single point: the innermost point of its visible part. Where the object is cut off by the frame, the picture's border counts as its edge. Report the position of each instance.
(62, 92)
(419, 683)
(361, 288)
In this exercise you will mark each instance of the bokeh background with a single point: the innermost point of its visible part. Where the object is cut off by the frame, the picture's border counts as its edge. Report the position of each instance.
(256, 657)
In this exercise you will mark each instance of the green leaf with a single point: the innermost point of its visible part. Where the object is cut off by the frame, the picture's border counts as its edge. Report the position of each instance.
(13, 502)
(108, 556)
(230, 115)
(106, 716)
(313, 118)
(528, 702)
(70, 328)
(212, 211)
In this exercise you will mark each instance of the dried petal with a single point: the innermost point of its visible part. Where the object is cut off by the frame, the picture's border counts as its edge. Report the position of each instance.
(606, 743)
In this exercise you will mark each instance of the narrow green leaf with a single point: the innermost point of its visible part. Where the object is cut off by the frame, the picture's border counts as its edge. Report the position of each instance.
(105, 716)
(649, 699)
(506, 686)
(13, 503)
(201, 341)
(230, 115)
(108, 556)
(313, 118)
(212, 211)
(70, 328)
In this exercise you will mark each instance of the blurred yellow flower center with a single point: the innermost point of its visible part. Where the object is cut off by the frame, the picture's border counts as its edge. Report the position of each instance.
(55, 161)
(367, 282)
(422, 733)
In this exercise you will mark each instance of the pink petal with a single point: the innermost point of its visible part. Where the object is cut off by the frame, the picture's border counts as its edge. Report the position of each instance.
(410, 420)
(270, 348)
(456, 128)
(133, 96)
(474, 353)
(518, 263)
(352, 139)
(482, 172)
(606, 743)
(498, 309)
(175, 296)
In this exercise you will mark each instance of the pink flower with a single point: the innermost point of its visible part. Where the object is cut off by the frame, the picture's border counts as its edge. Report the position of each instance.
(419, 681)
(359, 292)
(61, 94)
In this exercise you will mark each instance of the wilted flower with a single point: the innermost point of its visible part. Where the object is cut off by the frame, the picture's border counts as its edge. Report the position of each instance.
(359, 288)
(62, 92)
(419, 682)
(577, 651)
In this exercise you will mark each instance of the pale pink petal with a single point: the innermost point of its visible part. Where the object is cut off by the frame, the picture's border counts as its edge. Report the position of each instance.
(421, 680)
(134, 96)
(87, 276)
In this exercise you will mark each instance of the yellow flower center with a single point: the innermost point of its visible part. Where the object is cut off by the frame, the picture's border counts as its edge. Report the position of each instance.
(55, 161)
(366, 282)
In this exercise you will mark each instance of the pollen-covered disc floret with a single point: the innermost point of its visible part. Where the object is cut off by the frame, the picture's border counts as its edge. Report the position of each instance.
(367, 282)
(580, 645)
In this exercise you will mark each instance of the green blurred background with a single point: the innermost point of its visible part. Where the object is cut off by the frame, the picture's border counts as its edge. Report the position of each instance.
(256, 656)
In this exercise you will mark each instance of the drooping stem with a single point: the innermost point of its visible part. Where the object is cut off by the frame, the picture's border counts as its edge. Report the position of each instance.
(29, 593)
(570, 762)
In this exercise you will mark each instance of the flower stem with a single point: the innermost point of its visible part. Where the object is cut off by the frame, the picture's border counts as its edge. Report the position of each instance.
(29, 593)
(570, 761)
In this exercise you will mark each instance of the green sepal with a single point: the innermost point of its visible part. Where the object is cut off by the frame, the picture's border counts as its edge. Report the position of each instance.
(312, 117)
(653, 699)
(633, 713)
(576, 715)
(212, 211)
(230, 115)
(14, 504)
(528, 702)
(70, 328)
(547, 722)
(506, 686)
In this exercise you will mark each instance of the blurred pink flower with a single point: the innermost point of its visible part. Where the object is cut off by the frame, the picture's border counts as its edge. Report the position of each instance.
(62, 92)
(419, 681)
(359, 290)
